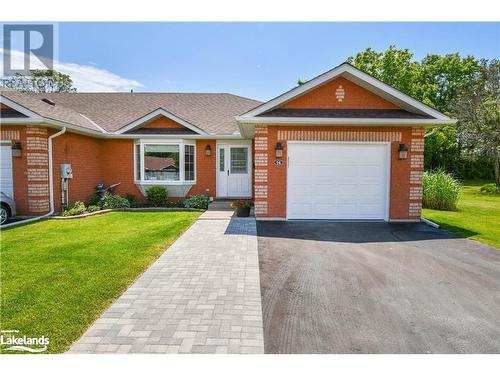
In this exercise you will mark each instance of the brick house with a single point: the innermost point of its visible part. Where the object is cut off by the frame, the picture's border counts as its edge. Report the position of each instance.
(341, 146)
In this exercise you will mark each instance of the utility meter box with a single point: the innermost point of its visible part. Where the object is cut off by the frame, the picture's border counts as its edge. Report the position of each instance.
(66, 171)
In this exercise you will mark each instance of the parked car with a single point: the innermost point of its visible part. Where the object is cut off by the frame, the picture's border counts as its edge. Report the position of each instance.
(7, 208)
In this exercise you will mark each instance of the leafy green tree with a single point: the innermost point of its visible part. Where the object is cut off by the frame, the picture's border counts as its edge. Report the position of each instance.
(394, 67)
(435, 81)
(40, 81)
(478, 110)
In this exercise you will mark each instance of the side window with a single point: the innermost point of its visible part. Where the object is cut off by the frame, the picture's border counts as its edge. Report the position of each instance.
(222, 160)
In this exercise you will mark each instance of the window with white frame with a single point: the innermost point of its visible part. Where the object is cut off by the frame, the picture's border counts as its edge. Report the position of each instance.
(165, 161)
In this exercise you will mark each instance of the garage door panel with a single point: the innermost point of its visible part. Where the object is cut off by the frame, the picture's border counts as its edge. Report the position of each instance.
(337, 181)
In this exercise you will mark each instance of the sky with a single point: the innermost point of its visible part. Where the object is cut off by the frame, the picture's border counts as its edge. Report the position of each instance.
(257, 60)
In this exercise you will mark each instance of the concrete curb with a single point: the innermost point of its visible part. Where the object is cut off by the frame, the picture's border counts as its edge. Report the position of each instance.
(141, 209)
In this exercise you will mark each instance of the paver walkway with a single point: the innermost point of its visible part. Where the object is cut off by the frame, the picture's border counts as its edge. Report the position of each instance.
(201, 296)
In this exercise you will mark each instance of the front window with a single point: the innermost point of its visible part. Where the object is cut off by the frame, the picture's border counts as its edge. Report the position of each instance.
(161, 162)
(165, 162)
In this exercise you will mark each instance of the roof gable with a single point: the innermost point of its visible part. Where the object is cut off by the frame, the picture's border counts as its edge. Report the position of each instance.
(356, 77)
(159, 121)
(339, 93)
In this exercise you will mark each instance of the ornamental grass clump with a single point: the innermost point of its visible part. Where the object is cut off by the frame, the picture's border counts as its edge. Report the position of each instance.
(440, 191)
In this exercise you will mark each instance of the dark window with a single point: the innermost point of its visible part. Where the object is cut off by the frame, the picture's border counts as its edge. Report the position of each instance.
(189, 163)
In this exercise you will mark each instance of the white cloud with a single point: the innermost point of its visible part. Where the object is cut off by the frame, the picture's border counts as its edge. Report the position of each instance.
(85, 78)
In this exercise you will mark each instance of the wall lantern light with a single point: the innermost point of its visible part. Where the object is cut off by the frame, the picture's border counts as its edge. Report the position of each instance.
(208, 150)
(403, 152)
(16, 149)
(279, 150)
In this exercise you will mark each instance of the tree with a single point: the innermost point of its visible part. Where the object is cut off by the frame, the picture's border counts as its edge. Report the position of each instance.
(40, 81)
(478, 110)
(435, 80)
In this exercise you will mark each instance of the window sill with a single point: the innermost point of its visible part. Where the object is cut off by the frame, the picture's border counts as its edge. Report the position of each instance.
(159, 182)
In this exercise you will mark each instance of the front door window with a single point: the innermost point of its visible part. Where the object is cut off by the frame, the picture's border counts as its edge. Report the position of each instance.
(239, 161)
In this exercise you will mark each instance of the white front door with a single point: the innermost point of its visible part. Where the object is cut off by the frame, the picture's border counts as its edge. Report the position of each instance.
(234, 171)
(6, 183)
(338, 180)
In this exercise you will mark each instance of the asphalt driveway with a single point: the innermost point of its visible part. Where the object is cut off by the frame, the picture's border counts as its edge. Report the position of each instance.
(376, 288)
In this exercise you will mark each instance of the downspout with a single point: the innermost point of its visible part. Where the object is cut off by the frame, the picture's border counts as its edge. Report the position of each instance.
(51, 186)
(51, 172)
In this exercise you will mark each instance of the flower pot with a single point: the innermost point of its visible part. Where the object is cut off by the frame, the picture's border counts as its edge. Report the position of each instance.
(243, 211)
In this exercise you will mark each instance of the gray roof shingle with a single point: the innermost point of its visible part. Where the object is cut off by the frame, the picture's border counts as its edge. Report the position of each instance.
(212, 112)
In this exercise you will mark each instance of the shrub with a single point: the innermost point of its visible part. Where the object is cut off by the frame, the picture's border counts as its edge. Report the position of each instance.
(93, 208)
(130, 197)
(76, 208)
(440, 191)
(157, 196)
(94, 200)
(115, 201)
(489, 189)
(243, 203)
(197, 201)
(176, 204)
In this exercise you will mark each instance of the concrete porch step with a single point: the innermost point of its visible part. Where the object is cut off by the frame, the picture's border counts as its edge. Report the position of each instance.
(220, 205)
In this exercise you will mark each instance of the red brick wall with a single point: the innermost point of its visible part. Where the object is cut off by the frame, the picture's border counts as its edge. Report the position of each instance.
(355, 97)
(118, 166)
(270, 180)
(85, 156)
(162, 122)
(205, 169)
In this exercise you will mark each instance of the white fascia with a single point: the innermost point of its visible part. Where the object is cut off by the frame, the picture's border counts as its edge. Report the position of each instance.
(156, 113)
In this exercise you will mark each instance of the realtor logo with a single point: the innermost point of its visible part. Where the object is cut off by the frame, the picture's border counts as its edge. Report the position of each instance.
(34, 41)
(11, 341)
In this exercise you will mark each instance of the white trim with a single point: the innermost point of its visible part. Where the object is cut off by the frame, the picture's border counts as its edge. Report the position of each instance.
(159, 112)
(176, 142)
(19, 108)
(235, 143)
(388, 170)
(357, 76)
(341, 121)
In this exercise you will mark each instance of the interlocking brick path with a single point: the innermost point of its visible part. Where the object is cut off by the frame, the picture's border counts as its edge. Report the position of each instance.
(201, 296)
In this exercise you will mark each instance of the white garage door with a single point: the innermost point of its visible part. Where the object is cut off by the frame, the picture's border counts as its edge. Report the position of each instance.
(6, 184)
(338, 180)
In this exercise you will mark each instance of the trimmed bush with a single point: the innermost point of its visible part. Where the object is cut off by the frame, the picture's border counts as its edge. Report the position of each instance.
(75, 208)
(131, 198)
(176, 204)
(157, 196)
(489, 189)
(114, 201)
(440, 191)
(197, 201)
(93, 208)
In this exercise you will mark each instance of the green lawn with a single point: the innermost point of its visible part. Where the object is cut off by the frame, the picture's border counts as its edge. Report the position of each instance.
(58, 276)
(477, 218)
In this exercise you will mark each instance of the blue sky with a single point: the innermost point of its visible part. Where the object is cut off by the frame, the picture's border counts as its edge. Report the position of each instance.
(258, 60)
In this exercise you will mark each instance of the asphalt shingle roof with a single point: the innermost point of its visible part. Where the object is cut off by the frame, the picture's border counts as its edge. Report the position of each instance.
(212, 112)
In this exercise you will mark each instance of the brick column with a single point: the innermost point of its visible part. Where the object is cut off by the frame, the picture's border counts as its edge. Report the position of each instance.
(261, 170)
(416, 172)
(37, 161)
